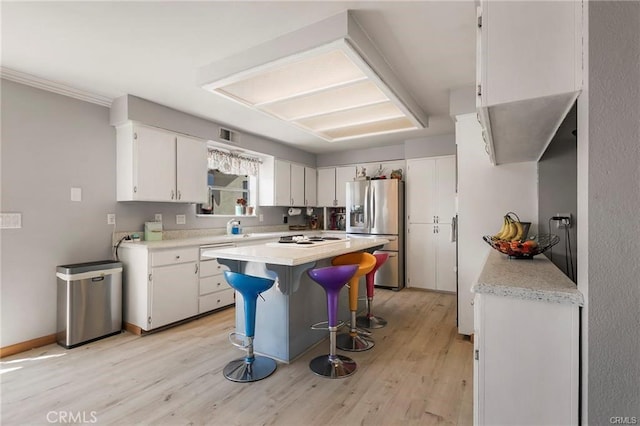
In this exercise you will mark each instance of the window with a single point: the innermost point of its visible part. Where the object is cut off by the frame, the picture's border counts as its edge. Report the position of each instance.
(224, 192)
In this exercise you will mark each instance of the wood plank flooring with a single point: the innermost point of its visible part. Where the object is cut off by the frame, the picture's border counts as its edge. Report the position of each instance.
(419, 373)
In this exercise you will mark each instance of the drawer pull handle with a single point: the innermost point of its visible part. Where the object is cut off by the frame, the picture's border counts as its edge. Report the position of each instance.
(177, 257)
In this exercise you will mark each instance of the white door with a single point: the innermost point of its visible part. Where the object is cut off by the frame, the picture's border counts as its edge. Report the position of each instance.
(446, 189)
(282, 183)
(343, 175)
(154, 164)
(421, 255)
(174, 293)
(326, 187)
(421, 190)
(297, 185)
(191, 170)
(310, 185)
(445, 259)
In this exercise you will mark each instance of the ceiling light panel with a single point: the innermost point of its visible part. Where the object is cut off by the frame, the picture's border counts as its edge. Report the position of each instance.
(328, 88)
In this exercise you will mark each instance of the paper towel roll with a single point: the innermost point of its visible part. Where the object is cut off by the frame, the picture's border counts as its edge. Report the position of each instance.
(294, 212)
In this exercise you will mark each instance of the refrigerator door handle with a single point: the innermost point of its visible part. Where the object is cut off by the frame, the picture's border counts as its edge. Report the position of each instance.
(366, 206)
(373, 208)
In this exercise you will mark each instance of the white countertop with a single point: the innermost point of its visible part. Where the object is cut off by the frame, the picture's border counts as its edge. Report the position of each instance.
(285, 254)
(218, 239)
(529, 279)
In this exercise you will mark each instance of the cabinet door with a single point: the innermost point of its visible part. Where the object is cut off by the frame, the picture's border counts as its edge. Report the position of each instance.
(282, 183)
(326, 187)
(421, 194)
(445, 259)
(445, 189)
(191, 170)
(343, 175)
(421, 256)
(174, 293)
(154, 163)
(297, 185)
(310, 187)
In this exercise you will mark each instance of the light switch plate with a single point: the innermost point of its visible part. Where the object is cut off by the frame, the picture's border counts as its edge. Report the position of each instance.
(181, 219)
(10, 220)
(111, 219)
(76, 194)
(158, 217)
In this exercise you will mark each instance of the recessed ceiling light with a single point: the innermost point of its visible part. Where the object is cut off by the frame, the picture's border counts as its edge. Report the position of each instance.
(328, 79)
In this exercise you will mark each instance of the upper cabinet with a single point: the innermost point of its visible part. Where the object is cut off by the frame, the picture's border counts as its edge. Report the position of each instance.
(529, 73)
(310, 187)
(284, 184)
(157, 165)
(332, 188)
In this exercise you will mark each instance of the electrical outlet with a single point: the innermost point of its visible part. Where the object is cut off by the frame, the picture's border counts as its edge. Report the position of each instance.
(260, 217)
(564, 223)
(181, 219)
(158, 217)
(111, 219)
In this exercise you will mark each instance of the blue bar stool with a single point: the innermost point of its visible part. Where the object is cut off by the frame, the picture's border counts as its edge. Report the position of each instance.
(332, 279)
(251, 368)
(356, 340)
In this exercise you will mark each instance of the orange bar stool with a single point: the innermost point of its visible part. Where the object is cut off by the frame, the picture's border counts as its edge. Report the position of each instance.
(369, 320)
(355, 340)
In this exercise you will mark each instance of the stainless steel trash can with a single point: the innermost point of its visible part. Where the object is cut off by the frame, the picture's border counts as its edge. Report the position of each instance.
(89, 302)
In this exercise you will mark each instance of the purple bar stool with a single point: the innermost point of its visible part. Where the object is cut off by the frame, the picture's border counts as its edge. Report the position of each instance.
(332, 279)
(369, 320)
(251, 368)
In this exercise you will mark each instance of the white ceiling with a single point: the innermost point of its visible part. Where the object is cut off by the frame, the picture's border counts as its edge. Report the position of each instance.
(154, 49)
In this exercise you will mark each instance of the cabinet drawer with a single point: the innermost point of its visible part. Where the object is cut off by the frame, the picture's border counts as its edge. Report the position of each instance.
(216, 300)
(211, 267)
(214, 283)
(174, 256)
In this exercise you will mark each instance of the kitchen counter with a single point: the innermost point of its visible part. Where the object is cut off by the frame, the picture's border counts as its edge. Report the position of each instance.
(218, 239)
(289, 309)
(527, 279)
(291, 254)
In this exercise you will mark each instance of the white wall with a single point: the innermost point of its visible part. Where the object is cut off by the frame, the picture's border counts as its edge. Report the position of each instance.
(485, 194)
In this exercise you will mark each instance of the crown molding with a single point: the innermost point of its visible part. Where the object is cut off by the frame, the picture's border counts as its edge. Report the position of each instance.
(52, 86)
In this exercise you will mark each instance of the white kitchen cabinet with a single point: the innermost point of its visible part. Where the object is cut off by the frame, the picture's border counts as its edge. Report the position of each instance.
(214, 291)
(431, 257)
(525, 361)
(157, 165)
(431, 189)
(282, 183)
(310, 187)
(528, 73)
(431, 192)
(332, 189)
(160, 286)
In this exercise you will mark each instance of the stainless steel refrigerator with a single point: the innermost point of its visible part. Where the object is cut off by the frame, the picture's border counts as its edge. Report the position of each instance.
(376, 208)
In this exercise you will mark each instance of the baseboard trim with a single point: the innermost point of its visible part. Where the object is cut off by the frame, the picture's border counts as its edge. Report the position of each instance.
(133, 329)
(27, 346)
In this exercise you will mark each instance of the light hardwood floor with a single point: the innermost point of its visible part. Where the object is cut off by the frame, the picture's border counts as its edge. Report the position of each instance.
(419, 373)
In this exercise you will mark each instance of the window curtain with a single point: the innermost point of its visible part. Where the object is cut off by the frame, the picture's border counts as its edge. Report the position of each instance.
(233, 164)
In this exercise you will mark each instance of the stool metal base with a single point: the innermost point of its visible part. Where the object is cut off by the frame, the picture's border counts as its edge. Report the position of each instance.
(239, 370)
(371, 322)
(338, 368)
(357, 343)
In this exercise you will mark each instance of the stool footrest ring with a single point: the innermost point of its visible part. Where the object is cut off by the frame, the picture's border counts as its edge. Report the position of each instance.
(319, 325)
(233, 335)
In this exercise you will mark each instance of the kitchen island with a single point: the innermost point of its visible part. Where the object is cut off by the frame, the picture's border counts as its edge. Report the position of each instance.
(284, 319)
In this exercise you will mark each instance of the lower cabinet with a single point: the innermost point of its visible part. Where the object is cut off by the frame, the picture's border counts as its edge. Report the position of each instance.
(525, 361)
(214, 292)
(163, 286)
(431, 257)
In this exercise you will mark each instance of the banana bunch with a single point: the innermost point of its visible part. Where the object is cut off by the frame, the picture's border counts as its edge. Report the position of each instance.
(512, 229)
